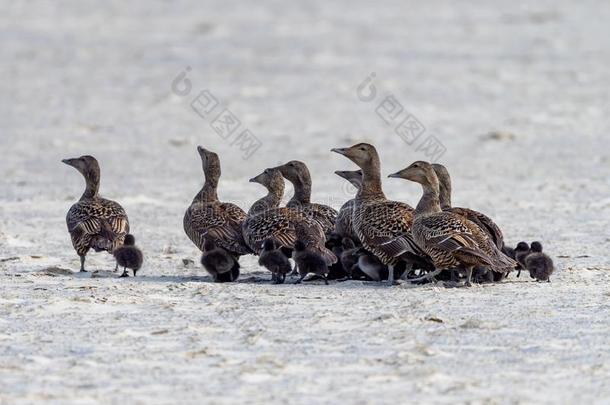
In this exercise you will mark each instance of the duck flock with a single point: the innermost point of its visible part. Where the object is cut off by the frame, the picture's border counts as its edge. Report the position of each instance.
(369, 238)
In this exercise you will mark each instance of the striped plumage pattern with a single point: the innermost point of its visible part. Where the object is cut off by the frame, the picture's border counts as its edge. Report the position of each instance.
(219, 221)
(384, 228)
(452, 240)
(483, 222)
(324, 215)
(285, 226)
(97, 223)
(344, 222)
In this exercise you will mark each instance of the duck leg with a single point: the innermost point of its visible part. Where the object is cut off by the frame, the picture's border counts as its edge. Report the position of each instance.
(116, 268)
(82, 264)
(300, 279)
(124, 273)
(390, 275)
(468, 276)
(325, 279)
(281, 278)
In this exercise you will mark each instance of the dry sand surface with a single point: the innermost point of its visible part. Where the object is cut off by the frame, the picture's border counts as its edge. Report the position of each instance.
(516, 95)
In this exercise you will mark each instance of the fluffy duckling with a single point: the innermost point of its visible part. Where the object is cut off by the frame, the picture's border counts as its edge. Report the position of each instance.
(129, 256)
(450, 239)
(298, 174)
(94, 222)
(383, 226)
(274, 260)
(539, 264)
(221, 265)
(349, 256)
(309, 262)
(372, 266)
(521, 252)
(334, 244)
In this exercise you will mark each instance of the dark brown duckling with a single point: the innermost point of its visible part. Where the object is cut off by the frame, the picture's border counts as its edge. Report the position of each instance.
(308, 261)
(349, 256)
(383, 226)
(521, 252)
(221, 265)
(334, 244)
(274, 260)
(539, 264)
(209, 218)
(298, 174)
(129, 256)
(449, 239)
(94, 222)
(343, 224)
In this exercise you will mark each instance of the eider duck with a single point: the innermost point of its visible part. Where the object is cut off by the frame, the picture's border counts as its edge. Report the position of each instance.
(266, 220)
(129, 256)
(94, 222)
(521, 251)
(539, 264)
(482, 220)
(275, 261)
(209, 219)
(309, 261)
(449, 239)
(220, 264)
(383, 226)
(298, 174)
(343, 224)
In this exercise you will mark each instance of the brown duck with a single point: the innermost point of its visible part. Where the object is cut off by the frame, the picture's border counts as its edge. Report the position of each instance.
(298, 174)
(482, 220)
(383, 226)
(266, 220)
(449, 239)
(207, 217)
(94, 222)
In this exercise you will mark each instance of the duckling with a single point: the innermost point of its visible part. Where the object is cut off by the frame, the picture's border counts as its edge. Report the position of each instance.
(275, 261)
(129, 256)
(383, 226)
(221, 265)
(284, 225)
(334, 244)
(539, 264)
(349, 255)
(209, 218)
(521, 252)
(94, 222)
(449, 239)
(343, 224)
(308, 261)
(372, 266)
(298, 174)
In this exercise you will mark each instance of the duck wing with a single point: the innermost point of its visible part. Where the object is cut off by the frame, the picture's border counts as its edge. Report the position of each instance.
(218, 221)
(97, 223)
(274, 223)
(484, 222)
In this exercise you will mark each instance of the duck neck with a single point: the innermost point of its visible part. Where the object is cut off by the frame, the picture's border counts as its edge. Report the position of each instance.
(445, 194)
(302, 192)
(92, 180)
(429, 202)
(271, 200)
(371, 183)
(208, 192)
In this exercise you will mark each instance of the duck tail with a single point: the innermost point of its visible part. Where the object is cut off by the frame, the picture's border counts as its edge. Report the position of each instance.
(328, 256)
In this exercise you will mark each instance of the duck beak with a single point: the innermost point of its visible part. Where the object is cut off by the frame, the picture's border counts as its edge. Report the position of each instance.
(395, 175)
(341, 151)
(201, 150)
(69, 162)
